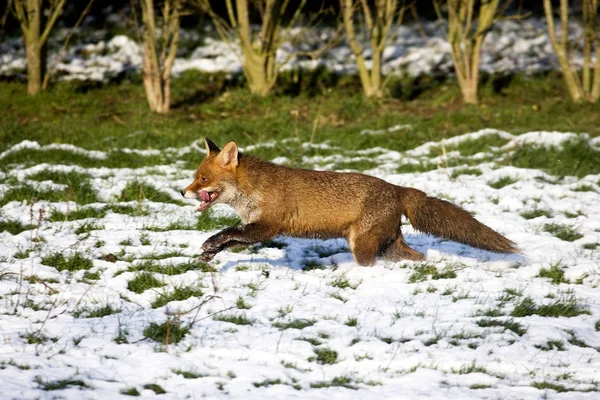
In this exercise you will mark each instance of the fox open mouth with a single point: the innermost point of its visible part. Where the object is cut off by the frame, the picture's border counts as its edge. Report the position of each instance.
(206, 199)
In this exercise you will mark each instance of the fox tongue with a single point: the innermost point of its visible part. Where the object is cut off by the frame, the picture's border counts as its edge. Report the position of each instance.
(204, 195)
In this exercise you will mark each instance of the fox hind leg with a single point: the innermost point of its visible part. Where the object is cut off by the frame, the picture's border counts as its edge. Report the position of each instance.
(364, 245)
(398, 250)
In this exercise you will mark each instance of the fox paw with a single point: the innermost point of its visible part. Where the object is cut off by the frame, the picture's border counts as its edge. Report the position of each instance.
(206, 257)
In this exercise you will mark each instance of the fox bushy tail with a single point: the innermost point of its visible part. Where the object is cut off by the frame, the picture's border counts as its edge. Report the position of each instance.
(442, 218)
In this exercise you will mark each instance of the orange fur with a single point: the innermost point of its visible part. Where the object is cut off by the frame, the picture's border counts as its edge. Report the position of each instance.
(273, 199)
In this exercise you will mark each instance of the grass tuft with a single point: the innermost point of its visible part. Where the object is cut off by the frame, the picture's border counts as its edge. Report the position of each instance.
(501, 182)
(237, 319)
(536, 213)
(157, 389)
(548, 385)
(568, 307)
(59, 384)
(342, 282)
(563, 232)
(179, 293)
(422, 272)
(510, 324)
(295, 324)
(98, 312)
(555, 274)
(131, 391)
(577, 158)
(326, 356)
(14, 227)
(75, 262)
(340, 381)
(143, 282)
(207, 222)
(167, 333)
(138, 191)
(552, 345)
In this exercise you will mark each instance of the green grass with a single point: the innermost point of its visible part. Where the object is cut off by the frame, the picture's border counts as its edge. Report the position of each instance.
(341, 381)
(14, 227)
(94, 212)
(60, 384)
(87, 227)
(188, 374)
(93, 276)
(97, 312)
(22, 254)
(75, 262)
(568, 307)
(465, 171)
(78, 188)
(325, 356)
(170, 268)
(563, 232)
(179, 293)
(207, 222)
(501, 182)
(131, 391)
(143, 282)
(137, 191)
(81, 194)
(342, 282)
(311, 265)
(549, 385)
(510, 325)
(295, 324)
(241, 304)
(552, 345)
(422, 272)
(106, 115)
(79, 213)
(468, 369)
(478, 386)
(583, 188)
(555, 274)
(237, 319)
(157, 389)
(577, 158)
(313, 341)
(168, 332)
(535, 213)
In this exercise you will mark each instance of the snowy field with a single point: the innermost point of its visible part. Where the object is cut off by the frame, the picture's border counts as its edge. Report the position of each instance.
(512, 46)
(88, 287)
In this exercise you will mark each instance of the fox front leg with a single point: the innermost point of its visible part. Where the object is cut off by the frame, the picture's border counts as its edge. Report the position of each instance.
(235, 235)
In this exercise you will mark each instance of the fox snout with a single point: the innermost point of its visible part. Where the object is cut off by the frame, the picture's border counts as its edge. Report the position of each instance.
(182, 193)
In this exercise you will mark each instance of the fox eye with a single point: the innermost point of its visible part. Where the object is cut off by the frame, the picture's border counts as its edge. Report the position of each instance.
(204, 180)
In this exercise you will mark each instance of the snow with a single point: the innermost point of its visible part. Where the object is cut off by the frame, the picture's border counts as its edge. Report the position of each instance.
(412, 337)
(521, 46)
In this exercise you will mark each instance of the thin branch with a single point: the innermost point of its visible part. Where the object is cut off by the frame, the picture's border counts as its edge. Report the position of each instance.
(63, 49)
(52, 20)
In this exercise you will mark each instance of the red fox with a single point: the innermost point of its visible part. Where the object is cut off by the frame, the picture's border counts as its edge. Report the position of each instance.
(274, 199)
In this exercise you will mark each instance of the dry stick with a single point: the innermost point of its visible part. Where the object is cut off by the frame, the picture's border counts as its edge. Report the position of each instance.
(560, 48)
(62, 51)
(30, 277)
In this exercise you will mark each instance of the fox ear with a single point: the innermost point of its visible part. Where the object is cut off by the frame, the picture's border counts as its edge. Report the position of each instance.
(211, 148)
(228, 157)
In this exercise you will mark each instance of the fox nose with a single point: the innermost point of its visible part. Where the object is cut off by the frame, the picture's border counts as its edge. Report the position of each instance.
(182, 193)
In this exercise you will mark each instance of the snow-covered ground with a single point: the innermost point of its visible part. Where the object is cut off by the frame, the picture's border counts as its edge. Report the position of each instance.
(298, 318)
(512, 46)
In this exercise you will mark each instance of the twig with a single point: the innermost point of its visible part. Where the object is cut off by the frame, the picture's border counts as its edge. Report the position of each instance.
(62, 51)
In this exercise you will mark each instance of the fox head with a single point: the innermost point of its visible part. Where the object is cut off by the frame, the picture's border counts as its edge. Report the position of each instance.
(215, 180)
